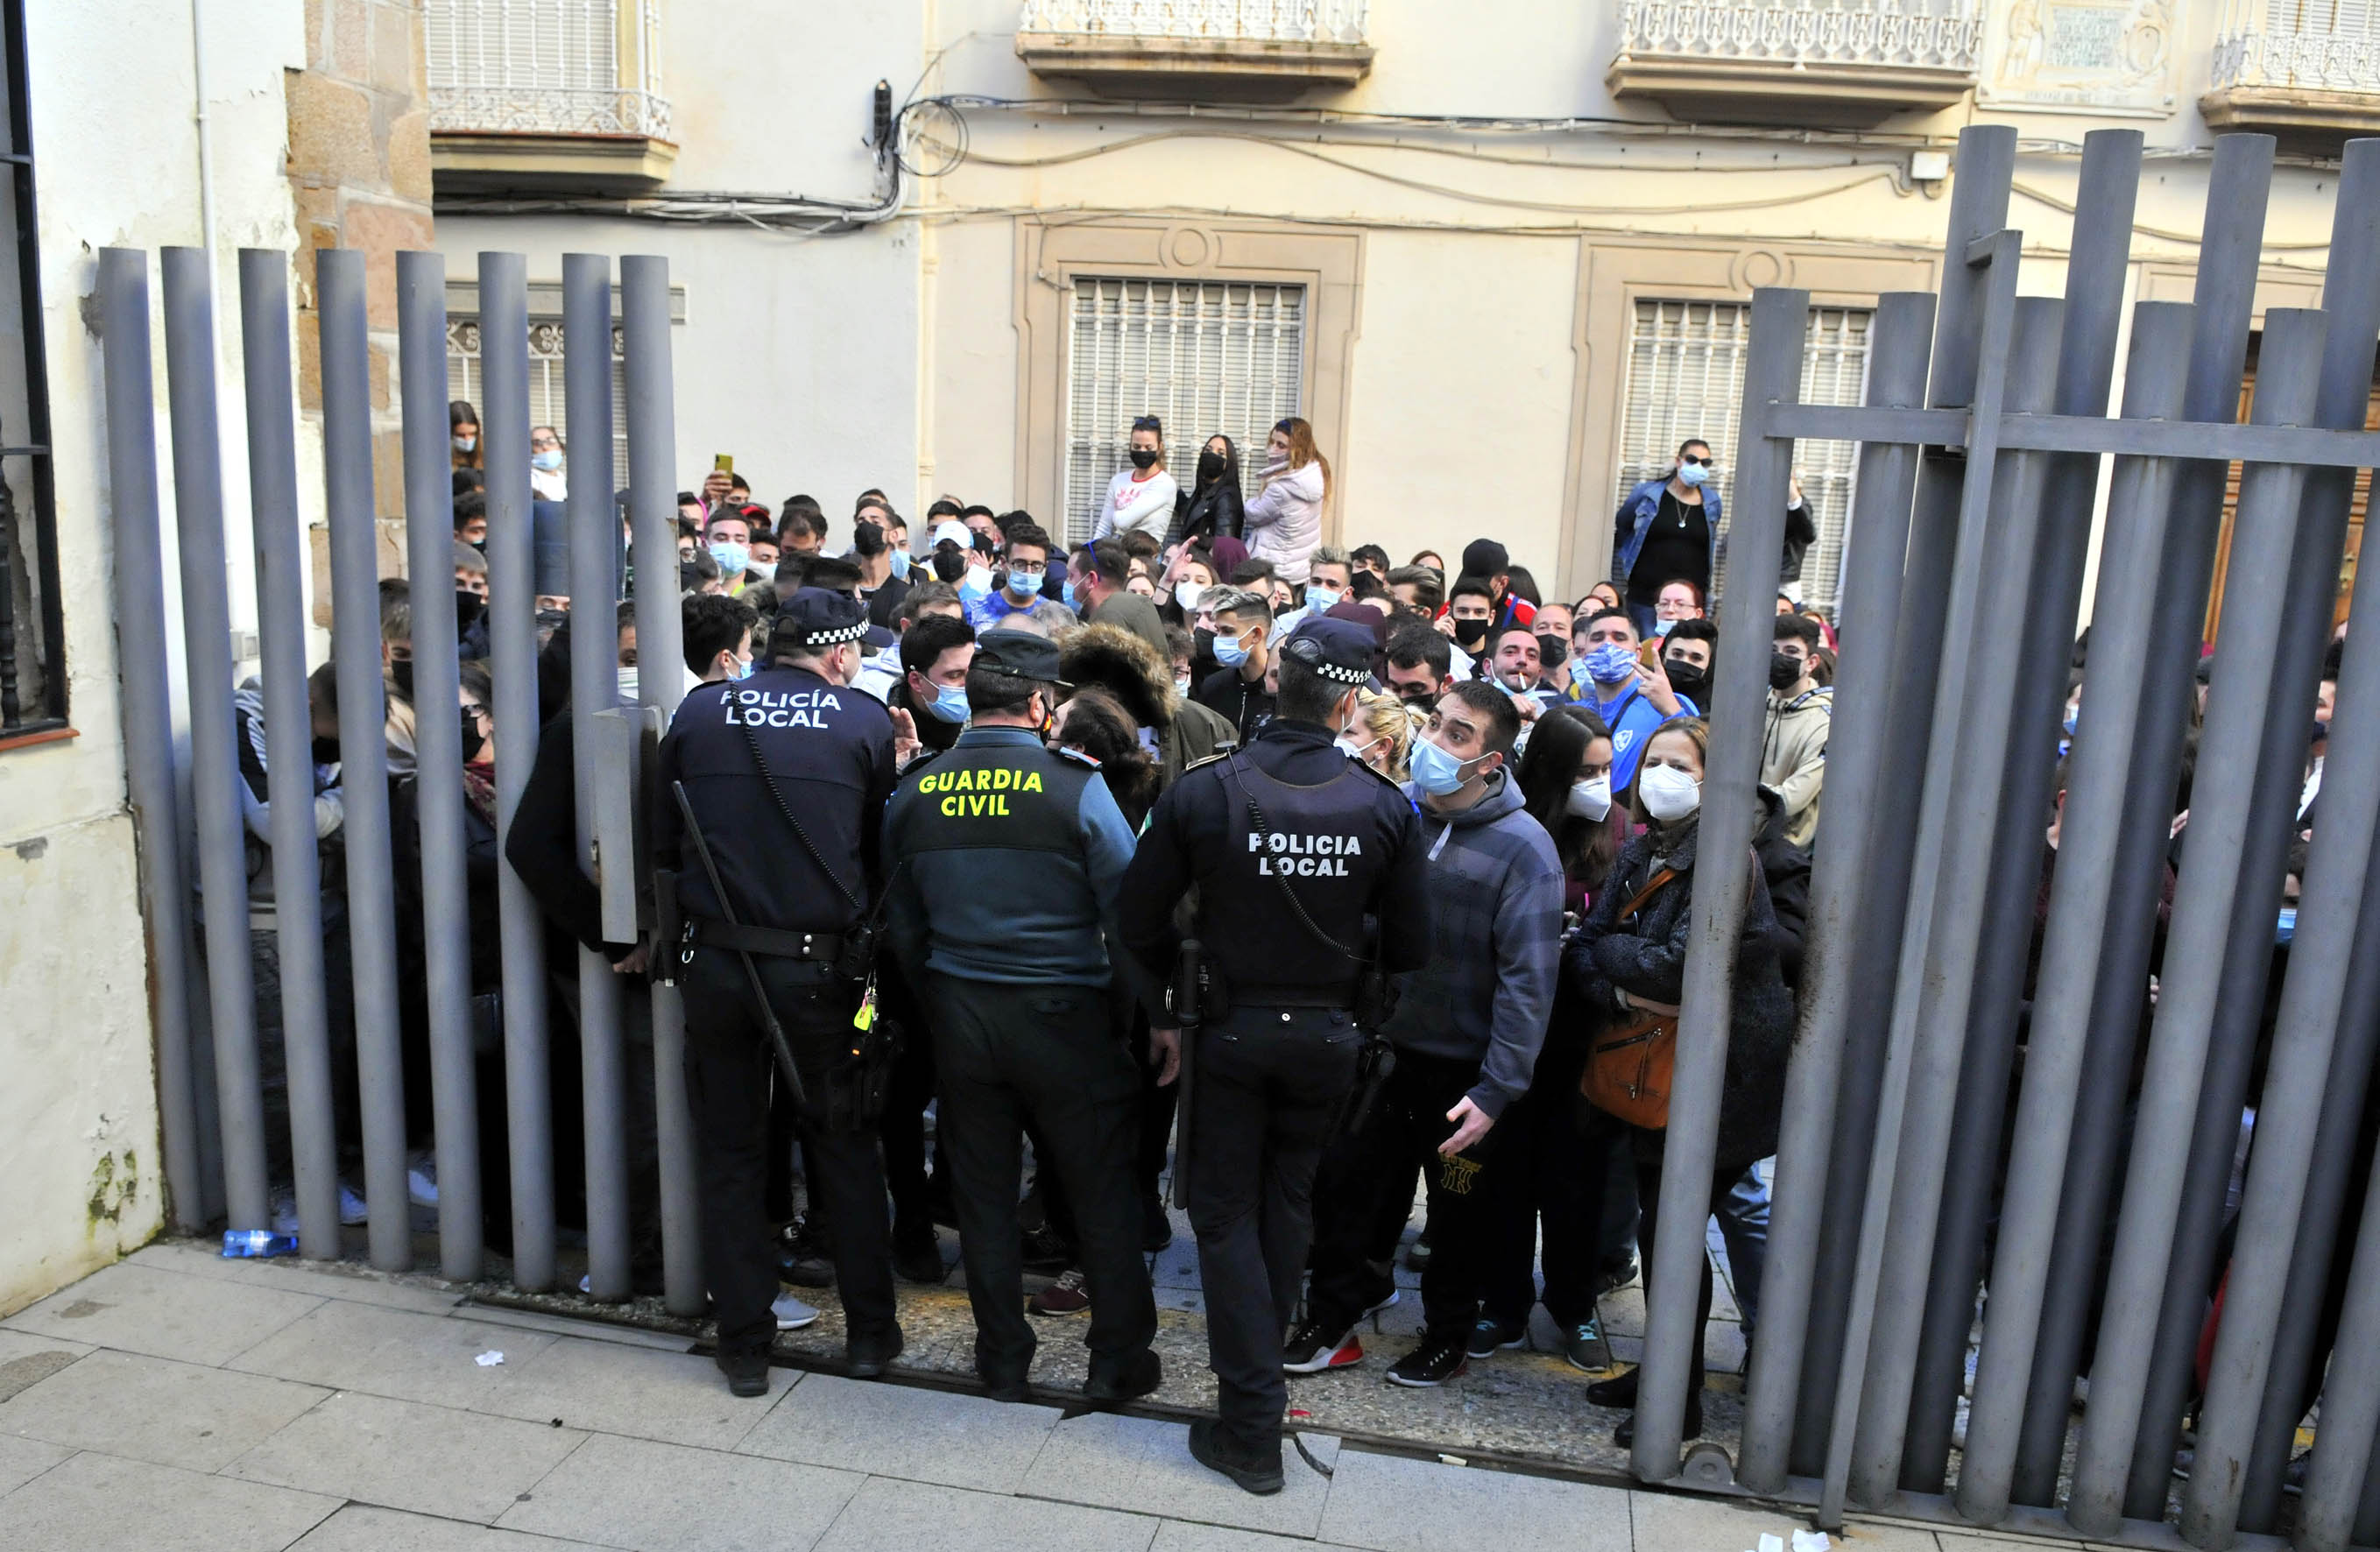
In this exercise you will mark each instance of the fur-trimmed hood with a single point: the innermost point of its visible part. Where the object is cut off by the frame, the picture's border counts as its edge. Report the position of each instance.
(1126, 667)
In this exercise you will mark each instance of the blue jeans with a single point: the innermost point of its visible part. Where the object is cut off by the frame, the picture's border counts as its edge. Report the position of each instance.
(1742, 1217)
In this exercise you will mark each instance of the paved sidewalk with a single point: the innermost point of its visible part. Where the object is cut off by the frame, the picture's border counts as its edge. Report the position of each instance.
(181, 1401)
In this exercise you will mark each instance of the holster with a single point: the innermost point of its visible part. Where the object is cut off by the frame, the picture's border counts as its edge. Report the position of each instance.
(1375, 998)
(859, 1081)
(1374, 1064)
(857, 963)
(671, 948)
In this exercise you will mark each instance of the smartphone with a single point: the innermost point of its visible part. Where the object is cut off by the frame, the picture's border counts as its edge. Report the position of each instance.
(723, 463)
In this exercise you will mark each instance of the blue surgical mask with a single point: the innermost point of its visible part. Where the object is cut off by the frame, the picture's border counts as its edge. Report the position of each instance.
(549, 461)
(901, 563)
(1693, 474)
(1609, 663)
(1321, 600)
(1661, 627)
(1023, 582)
(746, 667)
(732, 558)
(1066, 594)
(949, 703)
(1435, 770)
(1229, 652)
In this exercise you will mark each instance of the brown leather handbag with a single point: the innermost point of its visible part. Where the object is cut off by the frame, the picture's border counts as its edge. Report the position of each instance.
(1628, 1065)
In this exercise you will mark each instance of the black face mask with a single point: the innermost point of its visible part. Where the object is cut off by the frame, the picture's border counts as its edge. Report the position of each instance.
(1469, 633)
(1784, 670)
(326, 751)
(468, 607)
(473, 744)
(1210, 468)
(401, 672)
(1144, 457)
(1686, 679)
(1202, 645)
(1551, 650)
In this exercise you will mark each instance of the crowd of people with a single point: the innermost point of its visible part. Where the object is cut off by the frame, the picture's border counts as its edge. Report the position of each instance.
(1526, 781)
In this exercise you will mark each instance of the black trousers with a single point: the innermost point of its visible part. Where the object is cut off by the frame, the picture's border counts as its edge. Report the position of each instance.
(1009, 1054)
(730, 1073)
(1355, 1242)
(1554, 1148)
(1267, 1085)
(1648, 1146)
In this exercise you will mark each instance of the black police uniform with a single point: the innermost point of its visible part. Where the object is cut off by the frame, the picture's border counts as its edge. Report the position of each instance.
(1271, 1074)
(830, 749)
(1005, 860)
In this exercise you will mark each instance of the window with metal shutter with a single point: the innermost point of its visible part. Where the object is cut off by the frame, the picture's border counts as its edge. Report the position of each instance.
(1685, 379)
(1202, 356)
(545, 394)
(531, 45)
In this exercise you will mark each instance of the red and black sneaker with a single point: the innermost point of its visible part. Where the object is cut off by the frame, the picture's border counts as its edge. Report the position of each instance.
(1313, 1347)
(1436, 1361)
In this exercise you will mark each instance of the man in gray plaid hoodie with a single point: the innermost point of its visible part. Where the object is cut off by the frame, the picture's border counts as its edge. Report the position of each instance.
(1467, 1032)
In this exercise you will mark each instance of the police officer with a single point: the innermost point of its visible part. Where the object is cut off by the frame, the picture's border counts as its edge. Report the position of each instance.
(1005, 857)
(786, 771)
(1297, 850)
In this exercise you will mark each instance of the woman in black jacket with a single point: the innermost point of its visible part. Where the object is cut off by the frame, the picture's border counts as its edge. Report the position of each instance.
(1209, 505)
(1619, 968)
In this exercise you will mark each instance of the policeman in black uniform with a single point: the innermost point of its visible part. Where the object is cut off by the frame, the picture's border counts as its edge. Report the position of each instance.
(1006, 856)
(786, 771)
(1310, 878)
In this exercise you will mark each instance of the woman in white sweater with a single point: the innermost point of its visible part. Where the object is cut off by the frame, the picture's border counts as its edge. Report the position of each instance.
(1284, 519)
(1140, 499)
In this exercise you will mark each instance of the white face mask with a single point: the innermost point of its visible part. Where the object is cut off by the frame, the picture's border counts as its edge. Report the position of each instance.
(1590, 799)
(1187, 595)
(1668, 793)
(628, 685)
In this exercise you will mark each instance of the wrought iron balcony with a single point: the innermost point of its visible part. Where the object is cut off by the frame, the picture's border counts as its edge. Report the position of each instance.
(1266, 46)
(1852, 61)
(2308, 70)
(547, 94)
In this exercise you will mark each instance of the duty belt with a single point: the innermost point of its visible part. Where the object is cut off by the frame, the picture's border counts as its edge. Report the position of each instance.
(1274, 995)
(771, 942)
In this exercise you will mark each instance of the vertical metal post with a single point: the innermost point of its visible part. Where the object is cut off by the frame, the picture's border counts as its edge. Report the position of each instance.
(214, 759)
(2220, 814)
(1872, 588)
(363, 745)
(2139, 504)
(1849, 1419)
(2046, 604)
(2272, 1216)
(594, 688)
(1961, 818)
(2342, 1473)
(2237, 185)
(144, 686)
(511, 642)
(652, 515)
(438, 750)
(288, 738)
(1730, 816)
(1978, 207)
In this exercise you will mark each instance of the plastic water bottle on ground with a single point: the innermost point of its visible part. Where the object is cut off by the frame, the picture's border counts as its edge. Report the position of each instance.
(258, 1242)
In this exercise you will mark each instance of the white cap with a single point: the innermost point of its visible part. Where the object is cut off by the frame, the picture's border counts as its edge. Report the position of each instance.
(958, 533)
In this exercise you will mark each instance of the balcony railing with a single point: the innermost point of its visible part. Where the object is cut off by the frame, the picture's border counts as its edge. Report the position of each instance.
(2305, 69)
(1289, 43)
(547, 93)
(1846, 58)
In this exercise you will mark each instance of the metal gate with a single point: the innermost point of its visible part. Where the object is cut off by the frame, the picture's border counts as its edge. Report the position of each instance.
(1980, 455)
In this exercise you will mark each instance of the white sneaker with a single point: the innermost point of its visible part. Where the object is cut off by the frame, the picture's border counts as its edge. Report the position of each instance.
(422, 1180)
(790, 1313)
(352, 1209)
(283, 1208)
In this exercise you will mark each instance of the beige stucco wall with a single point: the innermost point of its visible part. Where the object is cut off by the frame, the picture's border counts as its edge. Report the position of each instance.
(79, 1136)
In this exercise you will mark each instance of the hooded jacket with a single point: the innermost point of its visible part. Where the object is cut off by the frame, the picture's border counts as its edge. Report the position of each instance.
(256, 800)
(1793, 756)
(1119, 663)
(1496, 904)
(1283, 523)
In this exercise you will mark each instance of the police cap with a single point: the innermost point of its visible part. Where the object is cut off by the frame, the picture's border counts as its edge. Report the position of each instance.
(816, 617)
(1340, 650)
(1017, 654)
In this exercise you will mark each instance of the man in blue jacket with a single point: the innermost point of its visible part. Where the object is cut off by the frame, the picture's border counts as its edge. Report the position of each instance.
(1005, 857)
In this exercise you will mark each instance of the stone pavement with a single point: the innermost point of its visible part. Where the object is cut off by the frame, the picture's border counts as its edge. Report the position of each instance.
(181, 1400)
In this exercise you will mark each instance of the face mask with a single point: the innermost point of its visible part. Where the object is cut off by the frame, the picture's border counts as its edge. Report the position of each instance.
(2321, 730)
(473, 744)
(949, 705)
(628, 685)
(1210, 467)
(401, 672)
(1609, 663)
(2288, 927)
(1668, 793)
(1229, 652)
(1661, 627)
(1321, 600)
(1590, 799)
(1181, 683)
(1353, 749)
(732, 558)
(1435, 770)
(468, 607)
(1202, 644)
(976, 584)
(549, 461)
(326, 751)
(465, 444)
(1187, 595)
(1552, 651)
(1693, 474)
(901, 563)
(1066, 595)
(1469, 633)
(1144, 457)
(1024, 583)
(1685, 678)
(2071, 718)
(763, 571)
(1784, 670)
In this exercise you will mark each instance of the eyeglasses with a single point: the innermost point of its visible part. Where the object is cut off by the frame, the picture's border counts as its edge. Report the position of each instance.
(1690, 458)
(1147, 423)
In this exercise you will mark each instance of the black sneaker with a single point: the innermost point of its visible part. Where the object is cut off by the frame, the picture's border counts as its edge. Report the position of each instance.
(748, 1372)
(868, 1356)
(1128, 1378)
(1313, 1346)
(1212, 1450)
(1045, 1250)
(1583, 1346)
(805, 1259)
(1491, 1336)
(1436, 1361)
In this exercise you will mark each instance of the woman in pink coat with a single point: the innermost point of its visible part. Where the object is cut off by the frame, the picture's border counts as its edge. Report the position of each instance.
(1284, 519)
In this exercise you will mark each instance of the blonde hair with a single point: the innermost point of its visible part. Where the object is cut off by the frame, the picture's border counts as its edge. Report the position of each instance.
(1302, 449)
(1384, 716)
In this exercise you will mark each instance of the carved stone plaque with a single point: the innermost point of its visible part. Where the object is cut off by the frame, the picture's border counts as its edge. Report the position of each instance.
(2083, 56)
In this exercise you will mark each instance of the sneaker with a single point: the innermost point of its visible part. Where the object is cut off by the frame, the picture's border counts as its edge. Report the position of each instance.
(867, 1355)
(283, 1209)
(1583, 1346)
(1436, 1361)
(421, 1179)
(1417, 1253)
(352, 1209)
(1313, 1348)
(748, 1372)
(1126, 1379)
(1211, 1450)
(1617, 1274)
(1068, 1296)
(790, 1313)
(1491, 1336)
(1046, 1250)
(804, 1258)
(917, 1257)
(1386, 1304)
